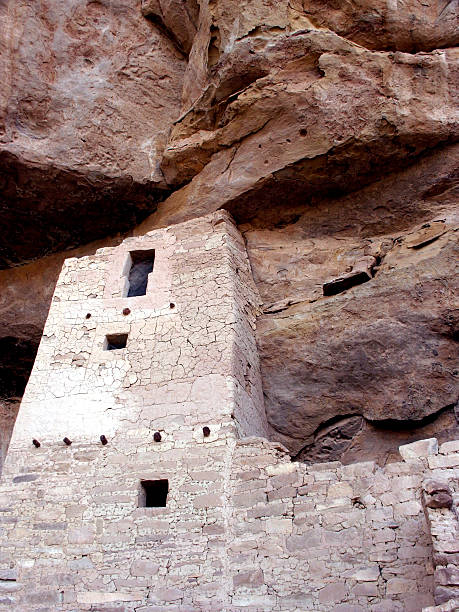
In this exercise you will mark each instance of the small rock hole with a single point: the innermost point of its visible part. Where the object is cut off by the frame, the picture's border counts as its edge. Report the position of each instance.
(358, 503)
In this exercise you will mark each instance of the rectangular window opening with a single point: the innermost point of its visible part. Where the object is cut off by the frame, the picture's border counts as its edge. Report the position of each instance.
(113, 342)
(154, 493)
(141, 266)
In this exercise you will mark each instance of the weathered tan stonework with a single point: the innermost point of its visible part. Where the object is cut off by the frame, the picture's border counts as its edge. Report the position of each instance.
(244, 528)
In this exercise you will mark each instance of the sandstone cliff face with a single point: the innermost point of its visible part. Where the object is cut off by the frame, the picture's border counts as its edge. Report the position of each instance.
(89, 90)
(328, 132)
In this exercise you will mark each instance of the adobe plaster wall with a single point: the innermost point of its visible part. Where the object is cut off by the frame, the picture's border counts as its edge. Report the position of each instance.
(244, 527)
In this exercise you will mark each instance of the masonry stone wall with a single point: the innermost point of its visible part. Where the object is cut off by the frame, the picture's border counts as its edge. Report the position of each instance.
(334, 537)
(244, 528)
(441, 509)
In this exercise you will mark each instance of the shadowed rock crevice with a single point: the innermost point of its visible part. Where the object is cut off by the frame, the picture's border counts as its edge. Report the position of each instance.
(17, 356)
(352, 279)
(16, 360)
(176, 19)
(343, 170)
(354, 438)
(331, 439)
(46, 209)
(8, 413)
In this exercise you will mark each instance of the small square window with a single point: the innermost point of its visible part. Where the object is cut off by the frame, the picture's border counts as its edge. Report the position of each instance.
(114, 342)
(153, 493)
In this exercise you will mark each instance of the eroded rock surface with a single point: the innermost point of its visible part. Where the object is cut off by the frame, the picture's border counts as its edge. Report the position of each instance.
(88, 92)
(327, 131)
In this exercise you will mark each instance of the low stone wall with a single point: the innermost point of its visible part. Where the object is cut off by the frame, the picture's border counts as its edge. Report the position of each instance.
(335, 537)
(244, 529)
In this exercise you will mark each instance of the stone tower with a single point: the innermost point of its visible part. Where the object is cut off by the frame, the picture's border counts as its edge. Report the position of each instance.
(139, 476)
(177, 360)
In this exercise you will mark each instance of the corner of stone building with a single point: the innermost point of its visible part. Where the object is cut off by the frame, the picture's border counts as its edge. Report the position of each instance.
(440, 504)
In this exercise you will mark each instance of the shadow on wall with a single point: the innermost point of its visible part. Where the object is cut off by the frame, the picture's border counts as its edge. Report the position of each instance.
(16, 361)
(8, 413)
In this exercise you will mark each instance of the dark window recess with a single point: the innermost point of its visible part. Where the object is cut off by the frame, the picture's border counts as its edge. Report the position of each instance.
(339, 285)
(142, 265)
(154, 493)
(113, 342)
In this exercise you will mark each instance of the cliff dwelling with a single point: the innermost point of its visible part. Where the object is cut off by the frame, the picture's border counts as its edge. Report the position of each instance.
(229, 318)
(155, 447)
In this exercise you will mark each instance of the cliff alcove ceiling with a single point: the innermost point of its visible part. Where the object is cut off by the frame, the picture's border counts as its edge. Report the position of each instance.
(80, 83)
(328, 132)
(48, 209)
